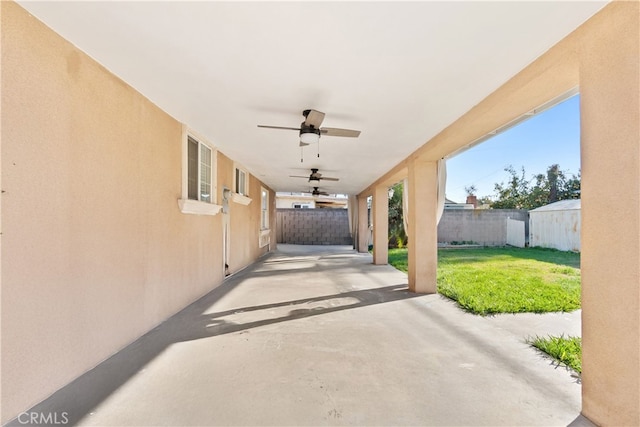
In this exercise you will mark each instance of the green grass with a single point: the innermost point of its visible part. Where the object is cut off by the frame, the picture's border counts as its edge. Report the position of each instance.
(567, 351)
(506, 280)
(398, 258)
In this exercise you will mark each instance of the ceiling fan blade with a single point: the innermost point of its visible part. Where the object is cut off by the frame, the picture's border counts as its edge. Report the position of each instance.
(316, 192)
(278, 127)
(314, 118)
(349, 133)
(303, 144)
(330, 179)
(298, 176)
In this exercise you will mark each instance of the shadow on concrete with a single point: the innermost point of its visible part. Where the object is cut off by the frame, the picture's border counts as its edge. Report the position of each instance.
(482, 345)
(78, 398)
(364, 296)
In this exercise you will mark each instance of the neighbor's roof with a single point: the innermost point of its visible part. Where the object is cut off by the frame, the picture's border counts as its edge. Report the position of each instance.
(562, 205)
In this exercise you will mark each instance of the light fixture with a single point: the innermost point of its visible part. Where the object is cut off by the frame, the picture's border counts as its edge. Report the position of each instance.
(309, 136)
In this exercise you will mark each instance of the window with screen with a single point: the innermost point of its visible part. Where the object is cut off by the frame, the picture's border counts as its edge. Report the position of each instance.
(264, 218)
(241, 182)
(199, 171)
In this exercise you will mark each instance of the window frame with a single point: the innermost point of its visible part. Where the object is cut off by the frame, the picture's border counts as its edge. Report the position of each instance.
(241, 198)
(264, 209)
(264, 235)
(190, 205)
(245, 190)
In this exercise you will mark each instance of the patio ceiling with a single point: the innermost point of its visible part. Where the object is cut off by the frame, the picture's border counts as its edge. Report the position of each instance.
(398, 71)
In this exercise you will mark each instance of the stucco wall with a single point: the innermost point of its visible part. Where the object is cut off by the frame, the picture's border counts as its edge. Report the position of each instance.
(480, 226)
(95, 250)
(244, 220)
(610, 256)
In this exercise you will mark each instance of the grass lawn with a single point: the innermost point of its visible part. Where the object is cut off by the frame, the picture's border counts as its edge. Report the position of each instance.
(567, 351)
(506, 280)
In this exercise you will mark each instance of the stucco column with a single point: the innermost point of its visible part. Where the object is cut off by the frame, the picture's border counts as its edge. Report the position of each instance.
(423, 226)
(381, 225)
(610, 153)
(352, 213)
(363, 225)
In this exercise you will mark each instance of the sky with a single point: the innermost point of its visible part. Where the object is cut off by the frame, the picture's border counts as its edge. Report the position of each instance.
(552, 136)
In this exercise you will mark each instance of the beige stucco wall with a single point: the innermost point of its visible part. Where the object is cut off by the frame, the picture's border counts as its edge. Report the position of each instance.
(610, 155)
(244, 220)
(95, 250)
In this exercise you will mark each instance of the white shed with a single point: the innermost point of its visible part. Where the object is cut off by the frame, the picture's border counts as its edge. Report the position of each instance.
(556, 225)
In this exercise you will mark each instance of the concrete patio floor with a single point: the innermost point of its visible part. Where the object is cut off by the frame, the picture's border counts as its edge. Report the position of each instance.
(321, 336)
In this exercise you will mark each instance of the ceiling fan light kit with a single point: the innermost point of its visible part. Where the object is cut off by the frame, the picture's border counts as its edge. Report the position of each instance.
(307, 138)
(310, 129)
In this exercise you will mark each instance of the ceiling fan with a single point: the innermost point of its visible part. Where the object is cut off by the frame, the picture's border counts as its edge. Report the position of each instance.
(317, 192)
(315, 176)
(310, 129)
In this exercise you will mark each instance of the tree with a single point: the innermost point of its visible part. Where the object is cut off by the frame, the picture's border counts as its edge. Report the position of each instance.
(397, 234)
(570, 188)
(513, 194)
(542, 189)
(471, 190)
(485, 201)
(553, 173)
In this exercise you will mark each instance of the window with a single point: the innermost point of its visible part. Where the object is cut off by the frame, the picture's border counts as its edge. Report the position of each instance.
(241, 182)
(198, 176)
(264, 218)
(240, 186)
(264, 237)
(199, 171)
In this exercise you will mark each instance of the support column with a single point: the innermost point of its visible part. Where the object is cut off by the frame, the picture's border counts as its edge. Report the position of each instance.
(363, 225)
(381, 225)
(352, 208)
(423, 226)
(610, 153)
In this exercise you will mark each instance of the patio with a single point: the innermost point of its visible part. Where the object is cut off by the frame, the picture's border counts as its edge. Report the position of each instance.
(315, 335)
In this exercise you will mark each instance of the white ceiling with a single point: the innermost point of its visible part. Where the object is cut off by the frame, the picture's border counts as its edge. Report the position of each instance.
(398, 71)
